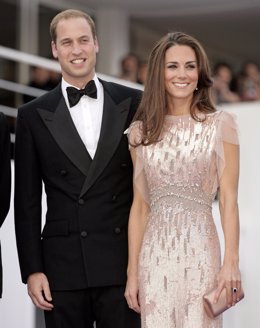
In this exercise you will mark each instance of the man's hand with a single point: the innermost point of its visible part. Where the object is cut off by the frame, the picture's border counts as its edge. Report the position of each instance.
(39, 291)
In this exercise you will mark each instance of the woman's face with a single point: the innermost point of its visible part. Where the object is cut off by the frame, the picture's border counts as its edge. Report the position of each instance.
(181, 72)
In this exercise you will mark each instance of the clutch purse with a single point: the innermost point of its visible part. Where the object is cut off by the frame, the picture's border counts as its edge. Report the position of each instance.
(214, 309)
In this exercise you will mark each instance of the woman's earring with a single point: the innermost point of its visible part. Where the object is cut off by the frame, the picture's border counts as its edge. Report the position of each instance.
(196, 88)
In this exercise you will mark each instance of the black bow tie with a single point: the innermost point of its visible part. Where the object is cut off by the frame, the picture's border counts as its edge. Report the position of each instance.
(74, 94)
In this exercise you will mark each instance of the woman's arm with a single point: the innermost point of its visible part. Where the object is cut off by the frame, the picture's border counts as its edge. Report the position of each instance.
(229, 275)
(136, 227)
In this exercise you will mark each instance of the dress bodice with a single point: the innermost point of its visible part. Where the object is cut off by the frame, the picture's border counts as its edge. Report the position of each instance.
(188, 160)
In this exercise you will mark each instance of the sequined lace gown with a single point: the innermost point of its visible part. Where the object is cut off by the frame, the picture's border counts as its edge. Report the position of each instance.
(180, 254)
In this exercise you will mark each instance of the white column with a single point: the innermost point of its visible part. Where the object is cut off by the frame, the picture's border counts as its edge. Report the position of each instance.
(28, 12)
(113, 36)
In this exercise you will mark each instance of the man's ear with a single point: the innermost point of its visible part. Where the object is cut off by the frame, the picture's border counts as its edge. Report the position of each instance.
(54, 49)
(96, 45)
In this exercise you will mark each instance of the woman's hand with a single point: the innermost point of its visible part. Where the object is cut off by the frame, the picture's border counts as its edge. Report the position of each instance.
(131, 293)
(229, 277)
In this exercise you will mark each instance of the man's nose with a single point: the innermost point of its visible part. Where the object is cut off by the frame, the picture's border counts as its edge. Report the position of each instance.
(76, 49)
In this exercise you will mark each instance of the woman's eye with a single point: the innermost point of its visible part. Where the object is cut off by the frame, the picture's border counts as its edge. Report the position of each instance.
(191, 66)
(172, 66)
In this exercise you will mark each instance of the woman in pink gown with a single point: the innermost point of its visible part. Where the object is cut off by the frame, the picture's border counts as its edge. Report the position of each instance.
(183, 151)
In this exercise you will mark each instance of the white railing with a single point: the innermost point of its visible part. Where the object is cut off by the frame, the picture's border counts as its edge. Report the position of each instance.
(33, 60)
(22, 57)
(20, 88)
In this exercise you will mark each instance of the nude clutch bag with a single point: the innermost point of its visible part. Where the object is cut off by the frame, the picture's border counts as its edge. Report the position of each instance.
(214, 309)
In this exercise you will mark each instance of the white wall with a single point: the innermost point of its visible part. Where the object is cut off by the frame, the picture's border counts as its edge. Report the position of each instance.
(246, 313)
(16, 309)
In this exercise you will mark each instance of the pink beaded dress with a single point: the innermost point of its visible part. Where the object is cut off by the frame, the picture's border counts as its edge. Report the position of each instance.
(180, 254)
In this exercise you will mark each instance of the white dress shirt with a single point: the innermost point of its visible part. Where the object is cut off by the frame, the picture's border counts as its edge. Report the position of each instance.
(87, 115)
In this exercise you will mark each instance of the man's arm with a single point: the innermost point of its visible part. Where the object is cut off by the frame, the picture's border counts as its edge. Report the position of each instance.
(5, 168)
(28, 197)
(27, 200)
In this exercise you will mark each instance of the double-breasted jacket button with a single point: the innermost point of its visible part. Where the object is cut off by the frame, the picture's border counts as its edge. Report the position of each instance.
(83, 234)
(117, 230)
(81, 201)
(63, 173)
(123, 165)
(114, 197)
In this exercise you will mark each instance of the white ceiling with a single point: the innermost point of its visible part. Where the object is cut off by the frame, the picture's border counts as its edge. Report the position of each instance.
(229, 29)
(229, 35)
(143, 8)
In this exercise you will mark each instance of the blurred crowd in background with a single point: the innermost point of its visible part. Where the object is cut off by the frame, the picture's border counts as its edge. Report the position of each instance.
(228, 87)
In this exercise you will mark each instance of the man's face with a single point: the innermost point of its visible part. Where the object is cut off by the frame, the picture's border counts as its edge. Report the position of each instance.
(76, 49)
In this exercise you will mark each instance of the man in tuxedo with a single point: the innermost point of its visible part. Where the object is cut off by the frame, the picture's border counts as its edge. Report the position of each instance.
(5, 177)
(72, 139)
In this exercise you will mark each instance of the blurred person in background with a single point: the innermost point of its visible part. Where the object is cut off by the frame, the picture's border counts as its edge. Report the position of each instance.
(222, 79)
(129, 67)
(54, 79)
(39, 78)
(5, 177)
(42, 78)
(142, 72)
(248, 83)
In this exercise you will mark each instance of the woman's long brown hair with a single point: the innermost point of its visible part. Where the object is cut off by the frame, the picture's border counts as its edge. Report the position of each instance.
(153, 107)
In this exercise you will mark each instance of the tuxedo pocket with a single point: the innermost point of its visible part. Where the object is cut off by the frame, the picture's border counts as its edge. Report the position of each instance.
(56, 228)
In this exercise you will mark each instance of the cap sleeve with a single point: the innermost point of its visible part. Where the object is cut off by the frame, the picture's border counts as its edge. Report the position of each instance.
(227, 132)
(134, 133)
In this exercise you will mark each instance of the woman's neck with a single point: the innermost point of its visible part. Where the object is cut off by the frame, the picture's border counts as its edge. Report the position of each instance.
(178, 107)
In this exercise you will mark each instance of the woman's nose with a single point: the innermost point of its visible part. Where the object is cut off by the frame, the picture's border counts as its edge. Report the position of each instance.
(181, 72)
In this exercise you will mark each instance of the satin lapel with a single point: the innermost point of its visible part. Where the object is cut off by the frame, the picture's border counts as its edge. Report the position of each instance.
(62, 128)
(112, 129)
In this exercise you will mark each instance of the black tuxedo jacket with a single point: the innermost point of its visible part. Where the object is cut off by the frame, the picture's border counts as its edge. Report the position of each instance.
(5, 177)
(84, 240)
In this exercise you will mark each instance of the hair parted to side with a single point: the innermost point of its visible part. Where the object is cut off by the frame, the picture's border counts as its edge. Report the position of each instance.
(153, 106)
(67, 14)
